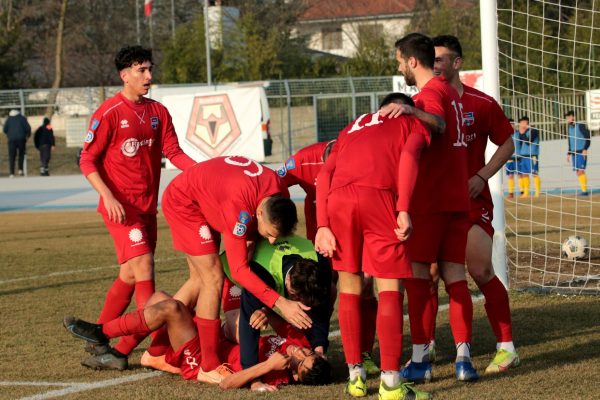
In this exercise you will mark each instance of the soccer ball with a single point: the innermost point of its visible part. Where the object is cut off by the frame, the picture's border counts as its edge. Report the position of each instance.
(575, 248)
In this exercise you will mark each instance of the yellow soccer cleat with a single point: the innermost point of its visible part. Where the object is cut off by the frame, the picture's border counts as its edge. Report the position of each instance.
(403, 391)
(357, 387)
(503, 360)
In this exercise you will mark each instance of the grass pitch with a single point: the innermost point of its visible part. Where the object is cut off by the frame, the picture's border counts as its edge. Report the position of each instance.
(62, 263)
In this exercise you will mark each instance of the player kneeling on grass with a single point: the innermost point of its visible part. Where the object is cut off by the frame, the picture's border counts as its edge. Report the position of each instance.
(285, 357)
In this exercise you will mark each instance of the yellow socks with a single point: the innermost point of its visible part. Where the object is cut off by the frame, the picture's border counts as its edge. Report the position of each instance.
(538, 184)
(582, 182)
(511, 186)
(525, 187)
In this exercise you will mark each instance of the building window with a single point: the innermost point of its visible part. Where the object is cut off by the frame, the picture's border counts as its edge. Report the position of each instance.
(332, 38)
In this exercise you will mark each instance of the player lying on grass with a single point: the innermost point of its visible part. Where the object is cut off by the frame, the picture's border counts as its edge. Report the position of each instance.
(285, 357)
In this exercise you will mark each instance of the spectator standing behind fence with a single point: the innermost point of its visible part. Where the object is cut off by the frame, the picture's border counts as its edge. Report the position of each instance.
(529, 150)
(579, 143)
(17, 130)
(44, 142)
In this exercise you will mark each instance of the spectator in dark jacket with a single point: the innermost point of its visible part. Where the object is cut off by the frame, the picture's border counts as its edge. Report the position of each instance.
(17, 130)
(44, 142)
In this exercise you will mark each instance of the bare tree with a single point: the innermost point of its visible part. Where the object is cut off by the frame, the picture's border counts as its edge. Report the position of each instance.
(57, 59)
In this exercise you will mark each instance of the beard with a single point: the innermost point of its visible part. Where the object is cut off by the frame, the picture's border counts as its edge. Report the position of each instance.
(409, 78)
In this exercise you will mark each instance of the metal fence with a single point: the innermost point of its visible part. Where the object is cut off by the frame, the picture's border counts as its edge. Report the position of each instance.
(302, 111)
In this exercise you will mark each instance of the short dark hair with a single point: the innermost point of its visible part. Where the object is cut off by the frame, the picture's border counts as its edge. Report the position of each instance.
(450, 42)
(327, 149)
(524, 118)
(418, 46)
(398, 98)
(570, 112)
(281, 212)
(130, 55)
(310, 281)
(319, 374)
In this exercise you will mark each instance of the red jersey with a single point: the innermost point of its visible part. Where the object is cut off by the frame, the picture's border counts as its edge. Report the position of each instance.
(124, 144)
(302, 169)
(483, 118)
(442, 185)
(267, 345)
(228, 190)
(369, 150)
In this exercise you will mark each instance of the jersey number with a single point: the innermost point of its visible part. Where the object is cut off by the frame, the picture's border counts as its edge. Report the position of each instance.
(374, 121)
(246, 163)
(460, 139)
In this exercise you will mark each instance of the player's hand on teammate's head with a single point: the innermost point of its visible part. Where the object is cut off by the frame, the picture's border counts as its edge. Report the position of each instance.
(394, 110)
(294, 312)
(259, 319)
(325, 242)
(404, 226)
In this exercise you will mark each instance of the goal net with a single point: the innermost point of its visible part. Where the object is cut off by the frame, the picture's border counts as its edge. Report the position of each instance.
(549, 54)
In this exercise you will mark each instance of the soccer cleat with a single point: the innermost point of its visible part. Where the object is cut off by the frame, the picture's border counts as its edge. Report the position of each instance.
(357, 387)
(584, 194)
(503, 360)
(465, 371)
(85, 330)
(96, 349)
(418, 372)
(110, 360)
(369, 365)
(215, 376)
(158, 363)
(403, 391)
(510, 196)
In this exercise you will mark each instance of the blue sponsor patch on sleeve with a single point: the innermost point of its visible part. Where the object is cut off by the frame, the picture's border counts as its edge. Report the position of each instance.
(94, 124)
(239, 229)
(290, 164)
(154, 122)
(244, 217)
(89, 137)
(281, 171)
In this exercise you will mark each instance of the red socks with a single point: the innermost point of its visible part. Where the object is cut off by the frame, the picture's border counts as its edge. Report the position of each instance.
(208, 330)
(433, 305)
(118, 298)
(498, 309)
(420, 309)
(461, 311)
(389, 329)
(368, 308)
(143, 291)
(349, 316)
(129, 324)
(160, 342)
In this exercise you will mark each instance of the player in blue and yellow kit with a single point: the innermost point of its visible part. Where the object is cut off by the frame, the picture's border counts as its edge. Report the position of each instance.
(579, 142)
(511, 165)
(529, 151)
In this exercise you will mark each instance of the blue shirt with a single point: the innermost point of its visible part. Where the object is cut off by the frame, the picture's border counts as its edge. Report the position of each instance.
(579, 138)
(529, 142)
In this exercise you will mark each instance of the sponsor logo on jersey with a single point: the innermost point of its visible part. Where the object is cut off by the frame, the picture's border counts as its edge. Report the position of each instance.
(290, 164)
(212, 127)
(124, 123)
(235, 291)
(281, 171)
(244, 217)
(94, 124)
(130, 146)
(154, 122)
(239, 229)
(89, 137)
(275, 342)
(468, 118)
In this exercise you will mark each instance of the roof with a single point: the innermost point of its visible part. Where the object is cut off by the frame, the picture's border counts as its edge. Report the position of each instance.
(319, 9)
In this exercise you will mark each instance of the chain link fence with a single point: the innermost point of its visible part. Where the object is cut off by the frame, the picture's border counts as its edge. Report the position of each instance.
(302, 111)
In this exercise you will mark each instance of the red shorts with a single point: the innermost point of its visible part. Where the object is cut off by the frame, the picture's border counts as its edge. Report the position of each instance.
(439, 237)
(190, 232)
(133, 238)
(481, 214)
(363, 220)
(231, 297)
(188, 358)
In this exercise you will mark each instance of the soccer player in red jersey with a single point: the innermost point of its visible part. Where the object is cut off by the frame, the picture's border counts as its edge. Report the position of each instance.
(285, 357)
(483, 119)
(439, 209)
(121, 159)
(302, 169)
(237, 199)
(362, 214)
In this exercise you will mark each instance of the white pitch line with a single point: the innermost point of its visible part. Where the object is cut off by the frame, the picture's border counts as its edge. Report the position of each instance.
(76, 271)
(82, 387)
(475, 299)
(23, 383)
